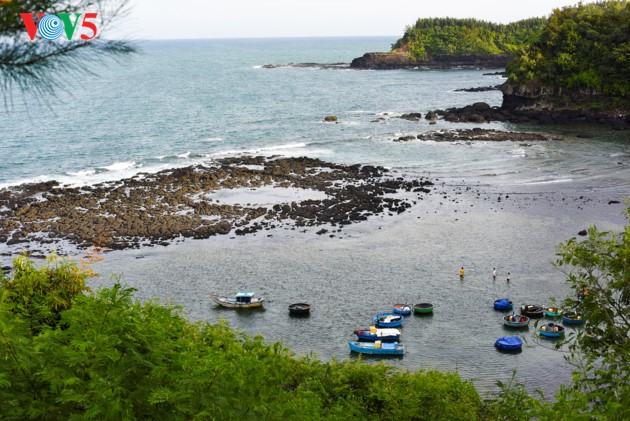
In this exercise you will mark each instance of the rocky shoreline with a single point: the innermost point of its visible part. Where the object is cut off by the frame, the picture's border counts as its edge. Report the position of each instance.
(475, 134)
(157, 209)
(402, 60)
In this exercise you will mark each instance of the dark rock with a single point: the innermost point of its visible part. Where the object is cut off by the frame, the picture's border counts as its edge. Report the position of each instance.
(411, 116)
(583, 233)
(613, 202)
(330, 118)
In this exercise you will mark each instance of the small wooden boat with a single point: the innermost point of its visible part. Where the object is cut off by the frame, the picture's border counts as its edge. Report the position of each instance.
(300, 309)
(375, 334)
(402, 309)
(387, 320)
(515, 321)
(509, 343)
(572, 318)
(378, 348)
(532, 311)
(553, 312)
(241, 300)
(503, 304)
(423, 308)
(551, 330)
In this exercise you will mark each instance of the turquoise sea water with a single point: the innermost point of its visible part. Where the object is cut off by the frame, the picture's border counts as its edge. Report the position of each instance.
(184, 102)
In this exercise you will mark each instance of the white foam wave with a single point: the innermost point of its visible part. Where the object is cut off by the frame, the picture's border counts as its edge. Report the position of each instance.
(211, 139)
(83, 173)
(120, 166)
(559, 180)
(184, 155)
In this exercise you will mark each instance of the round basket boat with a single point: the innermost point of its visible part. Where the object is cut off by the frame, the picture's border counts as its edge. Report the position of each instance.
(509, 343)
(553, 312)
(532, 311)
(300, 309)
(423, 308)
(551, 330)
(572, 318)
(503, 304)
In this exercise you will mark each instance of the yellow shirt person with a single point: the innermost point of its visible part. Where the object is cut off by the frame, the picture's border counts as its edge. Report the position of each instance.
(461, 272)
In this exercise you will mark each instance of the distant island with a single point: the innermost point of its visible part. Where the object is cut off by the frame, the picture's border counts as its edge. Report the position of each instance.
(447, 43)
(574, 63)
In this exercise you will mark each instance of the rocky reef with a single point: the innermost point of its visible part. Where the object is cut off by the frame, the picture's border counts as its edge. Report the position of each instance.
(402, 60)
(150, 209)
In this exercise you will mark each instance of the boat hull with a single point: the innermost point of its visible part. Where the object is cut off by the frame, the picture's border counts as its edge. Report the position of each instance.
(371, 348)
(423, 308)
(300, 309)
(532, 311)
(387, 320)
(232, 303)
(509, 343)
(553, 312)
(381, 335)
(516, 322)
(402, 309)
(572, 319)
(551, 331)
(503, 305)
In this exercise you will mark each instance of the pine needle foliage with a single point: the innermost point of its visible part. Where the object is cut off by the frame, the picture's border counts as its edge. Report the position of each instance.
(42, 66)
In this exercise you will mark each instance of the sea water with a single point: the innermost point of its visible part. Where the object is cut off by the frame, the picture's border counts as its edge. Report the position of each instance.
(505, 204)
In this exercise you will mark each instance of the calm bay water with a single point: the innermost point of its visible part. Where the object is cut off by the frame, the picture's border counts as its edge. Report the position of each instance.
(186, 102)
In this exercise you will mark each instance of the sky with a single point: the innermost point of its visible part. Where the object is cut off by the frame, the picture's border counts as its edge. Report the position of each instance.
(194, 19)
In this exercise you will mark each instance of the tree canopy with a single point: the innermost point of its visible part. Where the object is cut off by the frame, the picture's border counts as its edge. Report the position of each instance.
(584, 47)
(434, 36)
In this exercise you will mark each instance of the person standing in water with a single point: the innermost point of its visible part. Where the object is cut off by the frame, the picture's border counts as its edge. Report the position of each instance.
(461, 273)
(508, 277)
(494, 274)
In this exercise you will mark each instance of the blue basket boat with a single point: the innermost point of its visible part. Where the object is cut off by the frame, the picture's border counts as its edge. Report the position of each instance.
(509, 343)
(551, 330)
(553, 312)
(515, 321)
(402, 309)
(503, 304)
(378, 348)
(572, 318)
(387, 320)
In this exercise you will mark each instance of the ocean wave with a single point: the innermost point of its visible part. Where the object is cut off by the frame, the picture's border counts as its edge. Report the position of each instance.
(120, 166)
(211, 140)
(184, 155)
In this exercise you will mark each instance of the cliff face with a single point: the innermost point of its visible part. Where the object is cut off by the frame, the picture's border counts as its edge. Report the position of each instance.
(402, 60)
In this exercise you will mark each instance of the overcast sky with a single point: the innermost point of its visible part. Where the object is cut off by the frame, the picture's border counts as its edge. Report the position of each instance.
(168, 19)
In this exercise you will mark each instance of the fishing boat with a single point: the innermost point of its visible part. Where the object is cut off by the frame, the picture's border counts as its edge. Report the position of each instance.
(551, 330)
(572, 318)
(532, 311)
(402, 309)
(423, 308)
(503, 304)
(553, 312)
(387, 320)
(515, 321)
(378, 348)
(241, 300)
(509, 343)
(300, 309)
(376, 334)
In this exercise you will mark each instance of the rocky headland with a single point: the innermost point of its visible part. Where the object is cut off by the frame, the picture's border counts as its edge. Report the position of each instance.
(150, 209)
(403, 60)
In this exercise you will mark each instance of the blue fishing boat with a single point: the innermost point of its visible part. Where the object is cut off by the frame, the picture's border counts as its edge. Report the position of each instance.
(509, 343)
(378, 348)
(402, 309)
(553, 312)
(572, 318)
(515, 321)
(375, 334)
(503, 304)
(387, 320)
(551, 330)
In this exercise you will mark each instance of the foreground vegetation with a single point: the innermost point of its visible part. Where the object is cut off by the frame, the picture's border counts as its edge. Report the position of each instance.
(69, 353)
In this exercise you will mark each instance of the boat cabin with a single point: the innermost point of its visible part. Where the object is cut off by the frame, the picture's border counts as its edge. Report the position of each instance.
(244, 297)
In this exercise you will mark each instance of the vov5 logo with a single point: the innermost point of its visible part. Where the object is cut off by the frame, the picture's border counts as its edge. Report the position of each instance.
(51, 27)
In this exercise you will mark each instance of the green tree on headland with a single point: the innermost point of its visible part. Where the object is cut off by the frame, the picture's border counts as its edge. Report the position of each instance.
(436, 36)
(584, 47)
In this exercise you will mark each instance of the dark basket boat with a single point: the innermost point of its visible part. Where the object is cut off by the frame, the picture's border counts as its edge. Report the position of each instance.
(532, 311)
(423, 308)
(300, 309)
